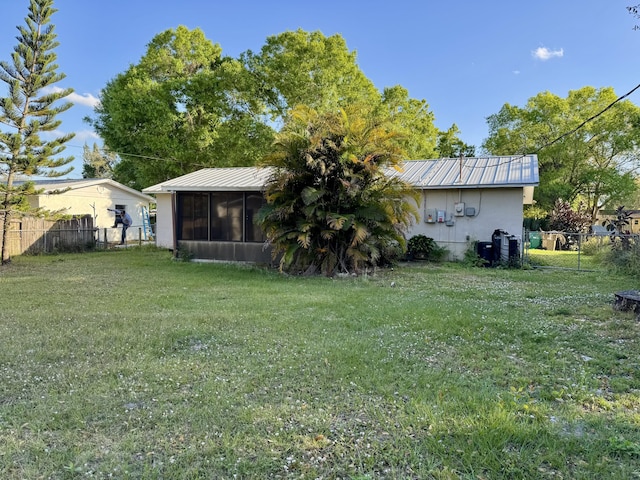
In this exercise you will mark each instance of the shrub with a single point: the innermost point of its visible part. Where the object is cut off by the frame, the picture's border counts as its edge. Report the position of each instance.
(595, 245)
(471, 257)
(390, 255)
(183, 254)
(624, 258)
(423, 247)
(563, 218)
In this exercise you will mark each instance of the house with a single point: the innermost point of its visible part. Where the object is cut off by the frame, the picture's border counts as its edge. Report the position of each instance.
(210, 212)
(608, 215)
(469, 199)
(94, 196)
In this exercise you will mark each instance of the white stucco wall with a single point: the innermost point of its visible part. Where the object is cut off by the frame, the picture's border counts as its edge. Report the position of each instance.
(164, 225)
(94, 200)
(497, 208)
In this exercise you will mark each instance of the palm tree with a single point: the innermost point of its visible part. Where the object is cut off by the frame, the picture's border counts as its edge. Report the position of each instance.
(330, 205)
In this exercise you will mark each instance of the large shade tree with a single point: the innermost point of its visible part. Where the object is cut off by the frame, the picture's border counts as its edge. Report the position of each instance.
(98, 162)
(330, 205)
(413, 120)
(593, 162)
(182, 107)
(449, 145)
(308, 68)
(28, 111)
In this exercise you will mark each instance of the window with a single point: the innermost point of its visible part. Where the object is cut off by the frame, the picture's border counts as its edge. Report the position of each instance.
(117, 219)
(226, 216)
(219, 216)
(193, 214)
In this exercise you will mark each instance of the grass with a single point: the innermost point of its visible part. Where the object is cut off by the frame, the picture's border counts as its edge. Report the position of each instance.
(126, 364)
(564, 259)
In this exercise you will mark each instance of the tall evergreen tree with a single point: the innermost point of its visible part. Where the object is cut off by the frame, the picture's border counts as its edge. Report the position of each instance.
(28, 110)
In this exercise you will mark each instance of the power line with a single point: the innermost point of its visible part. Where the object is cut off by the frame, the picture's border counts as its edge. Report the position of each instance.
(571, 132)
(511, 159)
(566, 134)
(106, 150)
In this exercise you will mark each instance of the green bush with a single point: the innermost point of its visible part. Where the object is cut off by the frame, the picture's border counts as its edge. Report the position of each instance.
(423, 247)
(624, 260)
(471, 257)
(595, 245)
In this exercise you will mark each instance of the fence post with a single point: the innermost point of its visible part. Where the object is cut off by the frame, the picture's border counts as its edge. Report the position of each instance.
(579, 248)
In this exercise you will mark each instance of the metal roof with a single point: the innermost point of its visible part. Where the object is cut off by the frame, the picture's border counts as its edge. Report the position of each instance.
(61, 185)
(468, 172)
(471, 172)
(216, 179)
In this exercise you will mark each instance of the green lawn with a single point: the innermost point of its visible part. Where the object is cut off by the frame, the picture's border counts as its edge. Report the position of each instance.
(564, 259)
(126, 364)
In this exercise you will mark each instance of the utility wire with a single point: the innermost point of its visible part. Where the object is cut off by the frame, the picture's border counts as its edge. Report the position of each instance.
(511, 159)
(571, 132)
(566, 134)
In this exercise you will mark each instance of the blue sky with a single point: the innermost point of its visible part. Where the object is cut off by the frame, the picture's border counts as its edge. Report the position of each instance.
(465, 58)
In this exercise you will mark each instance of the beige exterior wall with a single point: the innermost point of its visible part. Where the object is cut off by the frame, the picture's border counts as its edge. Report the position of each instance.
(495, 209)
(164, 219)
(94, 200)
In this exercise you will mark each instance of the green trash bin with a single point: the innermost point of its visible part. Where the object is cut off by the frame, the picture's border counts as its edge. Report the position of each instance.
(535, 240)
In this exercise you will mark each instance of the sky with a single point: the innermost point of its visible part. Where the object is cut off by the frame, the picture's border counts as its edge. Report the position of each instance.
(466, 58)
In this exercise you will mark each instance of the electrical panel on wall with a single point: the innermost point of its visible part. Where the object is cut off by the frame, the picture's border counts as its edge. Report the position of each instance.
(458, 209)
(430, 216)
(440, 216)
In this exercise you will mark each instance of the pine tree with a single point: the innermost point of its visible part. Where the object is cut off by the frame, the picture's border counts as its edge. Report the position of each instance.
(28, 110)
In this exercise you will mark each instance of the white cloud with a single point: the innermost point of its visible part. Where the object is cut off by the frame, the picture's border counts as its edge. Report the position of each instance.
(543, 53)
(52, 134)
(516, 72)
(84, 135)
(85, 99)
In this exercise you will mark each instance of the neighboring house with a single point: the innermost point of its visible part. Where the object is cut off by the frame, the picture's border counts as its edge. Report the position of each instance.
(634, 222)
(94, 196)
(609, 214)
(210, 212)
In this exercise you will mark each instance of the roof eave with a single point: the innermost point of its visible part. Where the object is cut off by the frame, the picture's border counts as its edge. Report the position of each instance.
(475, 186)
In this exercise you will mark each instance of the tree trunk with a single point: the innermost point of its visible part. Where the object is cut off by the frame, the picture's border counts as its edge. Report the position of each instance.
(6, 218)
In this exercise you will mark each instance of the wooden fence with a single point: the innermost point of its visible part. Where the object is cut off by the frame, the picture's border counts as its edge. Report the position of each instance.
(32, 235)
